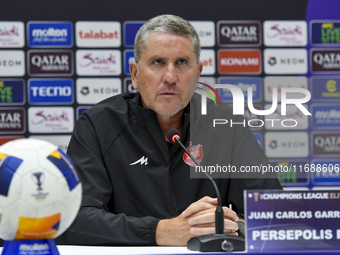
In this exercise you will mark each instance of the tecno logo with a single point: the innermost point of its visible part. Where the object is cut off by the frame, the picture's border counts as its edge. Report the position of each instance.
(239, 61)
(50, 91)
(98, 34)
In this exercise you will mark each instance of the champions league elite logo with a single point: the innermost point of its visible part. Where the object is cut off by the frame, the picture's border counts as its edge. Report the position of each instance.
(38, 179)
(196, 151)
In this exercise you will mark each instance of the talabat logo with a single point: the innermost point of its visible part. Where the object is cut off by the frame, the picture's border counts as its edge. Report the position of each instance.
(285, 33)
(232, 33)
(50, 63)
(277, 83)
(239, 61)
(325, 32)
(326, 89)
(205, 31)
(325, 60)
(12, 63)
(285, 61)
(98, 34)
(49, 34)
(50, 91)
(12, 92)
(238, 104)
(12, 34)
(208, 59)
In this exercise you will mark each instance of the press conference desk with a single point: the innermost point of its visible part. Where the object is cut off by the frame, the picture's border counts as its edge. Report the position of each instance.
(91, 250)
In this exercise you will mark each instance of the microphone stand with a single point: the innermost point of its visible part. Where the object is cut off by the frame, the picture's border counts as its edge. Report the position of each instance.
(218, 241)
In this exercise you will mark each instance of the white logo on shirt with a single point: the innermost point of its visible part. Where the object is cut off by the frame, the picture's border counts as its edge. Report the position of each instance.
(142, 160)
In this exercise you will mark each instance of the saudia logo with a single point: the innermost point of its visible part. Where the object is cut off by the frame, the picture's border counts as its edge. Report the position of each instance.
(89, 60)
(238, 104)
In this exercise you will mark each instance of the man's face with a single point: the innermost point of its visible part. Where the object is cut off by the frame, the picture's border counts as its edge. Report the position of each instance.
(163, 76)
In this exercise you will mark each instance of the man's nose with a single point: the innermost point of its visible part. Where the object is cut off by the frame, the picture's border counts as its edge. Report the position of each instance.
(170, 75)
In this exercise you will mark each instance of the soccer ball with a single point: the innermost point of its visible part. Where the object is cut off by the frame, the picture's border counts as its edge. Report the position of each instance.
(40, 190)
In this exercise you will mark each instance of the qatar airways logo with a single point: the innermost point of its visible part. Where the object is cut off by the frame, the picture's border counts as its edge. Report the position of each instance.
(238, 104)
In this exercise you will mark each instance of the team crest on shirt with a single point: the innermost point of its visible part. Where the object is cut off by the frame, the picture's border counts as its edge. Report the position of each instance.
(196, 151)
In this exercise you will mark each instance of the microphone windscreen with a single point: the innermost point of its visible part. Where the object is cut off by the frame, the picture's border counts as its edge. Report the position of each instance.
(172, 133)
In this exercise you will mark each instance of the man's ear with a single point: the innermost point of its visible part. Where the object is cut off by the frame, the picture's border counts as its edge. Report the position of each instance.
(199, 68)
(133, 72)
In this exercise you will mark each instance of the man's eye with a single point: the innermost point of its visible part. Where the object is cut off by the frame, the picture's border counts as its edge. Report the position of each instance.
(182, 61)
(158, 61)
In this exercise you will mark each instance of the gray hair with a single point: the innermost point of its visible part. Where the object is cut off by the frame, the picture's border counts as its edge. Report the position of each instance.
(166, 24)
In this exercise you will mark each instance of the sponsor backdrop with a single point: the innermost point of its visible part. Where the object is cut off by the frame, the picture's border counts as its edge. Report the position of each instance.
(58, 58)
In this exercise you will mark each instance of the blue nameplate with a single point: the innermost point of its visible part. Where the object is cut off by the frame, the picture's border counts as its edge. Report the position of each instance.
(30, 247)
(292, 220)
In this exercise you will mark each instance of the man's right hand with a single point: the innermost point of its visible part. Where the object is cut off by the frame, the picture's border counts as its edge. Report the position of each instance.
(198, 219)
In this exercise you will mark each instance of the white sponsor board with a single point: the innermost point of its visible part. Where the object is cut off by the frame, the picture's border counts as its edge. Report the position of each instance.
(12, 34)
(98, 62)
(61, 141)
(285, 61)
(98, 34)
(205, 31)
(92, 90)
(286, 144)
(50, 119)
(294, 118)
(285, 33)
(208, 59)
(270, 83)
(12, 63)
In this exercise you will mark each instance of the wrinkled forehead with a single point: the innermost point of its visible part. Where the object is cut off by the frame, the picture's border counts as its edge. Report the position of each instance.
(163, 38)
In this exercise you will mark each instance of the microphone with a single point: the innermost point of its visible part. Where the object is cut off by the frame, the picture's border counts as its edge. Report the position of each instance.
(218, 241)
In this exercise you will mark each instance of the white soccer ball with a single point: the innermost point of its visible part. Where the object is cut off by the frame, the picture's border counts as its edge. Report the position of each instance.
(40, 190)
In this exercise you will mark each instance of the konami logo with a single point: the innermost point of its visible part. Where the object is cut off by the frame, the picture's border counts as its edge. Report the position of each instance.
(239, 61)
(98, 34)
